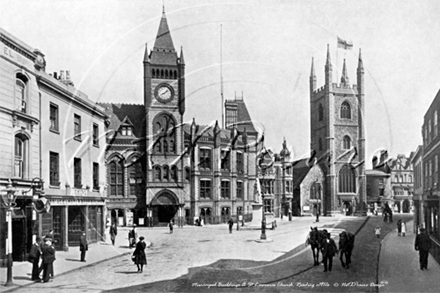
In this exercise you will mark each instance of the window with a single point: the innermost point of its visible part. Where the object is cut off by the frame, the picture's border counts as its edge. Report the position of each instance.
(267, 187)
(347, 179)
(135, 179)
(320, 112)
(116, 177)
(174, 175)
(77, 126)
(53, 115)
(157, 173)
(240, 168)
(345, 110)
(126, 131)
(54, 169)
(21, 93)
(95, 134)
(95, 178)
(166, 173)
(346, 143)
(435, 124)
(268, 205)
(187, 174)
(435, 170)
(225, 189)
(396, 178)
(430, 183)
(225, 162)
(288, 186)
(239, 189)
(205, 159)
(165, 134)
(429, 131)
(409, 178)
(77, 173)
(20, 155)
(205, 188)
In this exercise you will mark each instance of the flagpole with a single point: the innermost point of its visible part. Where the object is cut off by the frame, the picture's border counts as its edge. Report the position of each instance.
(221, 75)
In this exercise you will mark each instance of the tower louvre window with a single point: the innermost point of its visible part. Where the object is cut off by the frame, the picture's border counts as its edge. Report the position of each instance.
(346, 143)
(345, 110)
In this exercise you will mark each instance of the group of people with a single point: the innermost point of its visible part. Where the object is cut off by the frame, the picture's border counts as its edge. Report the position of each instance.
(44, 250)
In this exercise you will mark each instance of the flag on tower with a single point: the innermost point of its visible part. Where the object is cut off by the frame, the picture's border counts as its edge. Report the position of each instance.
(346, 45)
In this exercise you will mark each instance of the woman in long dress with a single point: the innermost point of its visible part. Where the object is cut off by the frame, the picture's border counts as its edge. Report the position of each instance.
(140, 258)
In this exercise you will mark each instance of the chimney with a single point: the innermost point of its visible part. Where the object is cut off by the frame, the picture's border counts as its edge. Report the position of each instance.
(62, 75)
(68, 75)
(55, 75)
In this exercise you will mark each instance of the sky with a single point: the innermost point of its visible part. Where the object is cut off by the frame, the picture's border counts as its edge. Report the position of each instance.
(263, 50)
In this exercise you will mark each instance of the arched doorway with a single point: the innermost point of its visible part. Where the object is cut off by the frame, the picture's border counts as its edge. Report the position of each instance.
(406, 206)
(225, 215)
(165, 206)
(347, 208)
(205, 214)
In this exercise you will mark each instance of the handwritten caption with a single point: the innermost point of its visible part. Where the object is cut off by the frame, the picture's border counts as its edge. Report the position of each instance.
(303, 285)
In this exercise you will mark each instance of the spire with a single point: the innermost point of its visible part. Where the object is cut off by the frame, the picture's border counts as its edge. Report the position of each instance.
(329, 62)
(182, 60)
(312, 71)
(163, 52)
(312, 77)
(344, 77)
(146, 57)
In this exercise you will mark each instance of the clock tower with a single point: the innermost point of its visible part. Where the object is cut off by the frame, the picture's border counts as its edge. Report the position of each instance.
(164, 100)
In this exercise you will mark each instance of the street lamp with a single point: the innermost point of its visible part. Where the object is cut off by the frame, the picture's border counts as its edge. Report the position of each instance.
(264, 161)
(9, 197)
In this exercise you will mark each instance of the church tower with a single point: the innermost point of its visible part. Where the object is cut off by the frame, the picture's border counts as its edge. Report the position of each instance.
(337, 138)
(164, 100)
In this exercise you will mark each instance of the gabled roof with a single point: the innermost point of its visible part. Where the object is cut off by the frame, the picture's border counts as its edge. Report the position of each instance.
(127, 114)
(163, 52)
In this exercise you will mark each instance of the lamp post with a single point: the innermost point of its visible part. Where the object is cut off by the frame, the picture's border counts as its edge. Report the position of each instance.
(264, 161)
(263, 219)
(9, 197)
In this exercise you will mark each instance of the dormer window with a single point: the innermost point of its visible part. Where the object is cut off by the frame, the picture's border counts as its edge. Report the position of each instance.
(126, 131)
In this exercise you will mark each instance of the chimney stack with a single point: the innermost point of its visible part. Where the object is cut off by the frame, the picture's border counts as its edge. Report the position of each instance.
(55, 75)
(68, 75)
(62, 75)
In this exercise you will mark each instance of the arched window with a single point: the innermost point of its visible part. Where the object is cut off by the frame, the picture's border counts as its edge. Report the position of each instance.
(21, 143)
(21, 93)
(161, 73)
(346, 142)
(157, 173)
(320, 112)
(116, 170)
(345, 110)
(347, 179)
(174, 173)
(153, 73)
(164, 133)
(135, 177)
(166, 173)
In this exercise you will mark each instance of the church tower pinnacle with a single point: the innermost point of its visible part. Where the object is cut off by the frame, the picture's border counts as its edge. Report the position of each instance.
(344, 77)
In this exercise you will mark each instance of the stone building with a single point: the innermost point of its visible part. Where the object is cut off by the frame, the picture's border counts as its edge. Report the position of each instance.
(338, 139)
(418, 197)
(162, 169)
(401, 183)
(51, 139)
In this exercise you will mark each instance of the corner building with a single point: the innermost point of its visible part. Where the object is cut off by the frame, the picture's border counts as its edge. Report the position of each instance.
(337, 138)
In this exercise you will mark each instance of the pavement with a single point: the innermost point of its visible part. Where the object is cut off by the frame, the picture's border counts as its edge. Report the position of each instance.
(398, 260)
(399, 265)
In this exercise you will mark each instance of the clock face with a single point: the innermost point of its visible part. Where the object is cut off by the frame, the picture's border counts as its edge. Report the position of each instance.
(164, 93)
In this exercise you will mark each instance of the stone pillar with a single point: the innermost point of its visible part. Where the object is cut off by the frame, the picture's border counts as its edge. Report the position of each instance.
(65, 229)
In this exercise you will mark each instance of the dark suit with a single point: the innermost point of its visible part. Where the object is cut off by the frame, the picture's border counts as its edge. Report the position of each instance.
(48, 258)
(423, 245)
(34, 257)
(329, 250)
(83, 247)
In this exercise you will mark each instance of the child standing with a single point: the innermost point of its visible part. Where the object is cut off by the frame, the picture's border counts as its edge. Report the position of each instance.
(377, 231)
(403, 228)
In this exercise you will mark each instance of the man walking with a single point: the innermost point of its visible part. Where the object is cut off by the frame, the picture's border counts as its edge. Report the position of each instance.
(171, 226)
(34, 258)
(48, 252)
(230, 223)
(113, 233)
(423, 245)
(83, 246)
(329, 250)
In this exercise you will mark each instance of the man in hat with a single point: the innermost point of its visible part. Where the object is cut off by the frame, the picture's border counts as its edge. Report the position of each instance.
(48, 252)
(329, 250)
(423, 245)
(83, 245)
(34, 258)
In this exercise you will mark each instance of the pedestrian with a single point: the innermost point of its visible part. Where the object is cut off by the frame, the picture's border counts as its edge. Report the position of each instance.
(132, 237)
(377, 231)
(139, 256)
(231, 224)
(113, 233)
(403, 227)
(34, 258)
(423, 245)
(399, 227)
(48, 252)
(171, 226)
(329, 250)
(83, 245)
